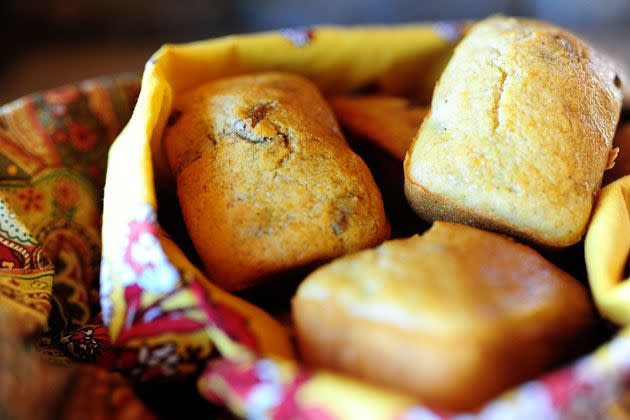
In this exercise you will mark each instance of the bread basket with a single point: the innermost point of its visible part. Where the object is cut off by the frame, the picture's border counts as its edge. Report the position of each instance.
(162, 321)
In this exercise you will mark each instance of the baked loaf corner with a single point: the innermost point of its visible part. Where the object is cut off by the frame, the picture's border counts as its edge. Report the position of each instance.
(519, 133)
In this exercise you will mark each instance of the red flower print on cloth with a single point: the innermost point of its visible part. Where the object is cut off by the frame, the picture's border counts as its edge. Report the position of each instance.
(81, 137)
(231, 322)
(261, 388)
(139, 265)
(89, 344)
(31, 199)
(289, 407)
(561, 385)
(299, 37)
(65, 192)
(239, 379)
(582, 390)
(137, 260)
(153, 320)
(147, 265)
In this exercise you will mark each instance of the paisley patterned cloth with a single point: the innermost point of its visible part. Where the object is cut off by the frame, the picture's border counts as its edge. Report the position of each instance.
(53, 152)
(153, 316)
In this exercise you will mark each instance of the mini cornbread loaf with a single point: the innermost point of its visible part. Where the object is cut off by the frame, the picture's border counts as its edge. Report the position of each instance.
(453, 316)
(265, 179)
(389, 121)
(519, 134)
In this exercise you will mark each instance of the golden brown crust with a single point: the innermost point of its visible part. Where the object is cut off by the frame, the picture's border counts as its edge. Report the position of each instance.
(454, 316)
(265, 179)
(455, 373)
(389, 121)
(519, 133)
(433, 207)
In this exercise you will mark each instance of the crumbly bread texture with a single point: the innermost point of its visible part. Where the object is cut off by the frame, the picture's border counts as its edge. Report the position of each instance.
(454, 316)
(265, 179)
(519, 134)
(391, 122)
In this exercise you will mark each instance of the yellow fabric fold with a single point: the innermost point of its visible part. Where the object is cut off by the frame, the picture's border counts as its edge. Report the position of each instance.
(606, 250)
(397, 60)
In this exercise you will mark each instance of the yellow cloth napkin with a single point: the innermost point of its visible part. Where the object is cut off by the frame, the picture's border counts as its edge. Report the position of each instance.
(606, 250)
(146, 279)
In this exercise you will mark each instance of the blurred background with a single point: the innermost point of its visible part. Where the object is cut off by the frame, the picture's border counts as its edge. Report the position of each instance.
(46, 43)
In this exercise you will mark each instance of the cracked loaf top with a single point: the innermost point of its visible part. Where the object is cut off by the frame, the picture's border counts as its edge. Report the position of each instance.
(266, 180)
(519, 134)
